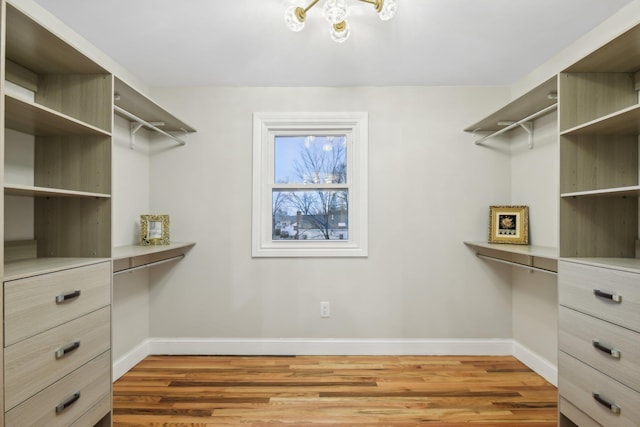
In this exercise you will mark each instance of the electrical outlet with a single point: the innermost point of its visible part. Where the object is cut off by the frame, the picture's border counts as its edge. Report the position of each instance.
(325, 309)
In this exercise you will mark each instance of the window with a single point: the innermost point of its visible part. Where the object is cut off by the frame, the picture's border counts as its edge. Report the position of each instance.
(309, 184)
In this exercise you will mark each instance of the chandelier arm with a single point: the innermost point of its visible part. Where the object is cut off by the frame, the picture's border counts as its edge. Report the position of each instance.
(376, 3)
(313, 3)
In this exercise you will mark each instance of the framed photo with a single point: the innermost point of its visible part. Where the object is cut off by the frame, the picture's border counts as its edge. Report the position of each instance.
(509, 224)
(154, 230)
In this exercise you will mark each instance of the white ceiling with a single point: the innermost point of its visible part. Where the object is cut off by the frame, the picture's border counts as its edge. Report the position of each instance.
(246, 43)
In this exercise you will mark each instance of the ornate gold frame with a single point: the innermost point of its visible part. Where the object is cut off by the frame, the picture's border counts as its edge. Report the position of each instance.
(509, 224)
(154, 230)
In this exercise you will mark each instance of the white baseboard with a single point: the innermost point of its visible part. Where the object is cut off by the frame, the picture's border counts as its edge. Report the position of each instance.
(301, 346)
(131, 358)
(536, 363)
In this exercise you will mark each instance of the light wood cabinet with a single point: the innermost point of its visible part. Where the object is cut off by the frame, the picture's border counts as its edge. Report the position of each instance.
(58, 107)
(599, 342)
(56, 308)
(599, 274)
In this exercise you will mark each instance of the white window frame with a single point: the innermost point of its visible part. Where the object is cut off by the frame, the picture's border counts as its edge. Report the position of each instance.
(266, 126)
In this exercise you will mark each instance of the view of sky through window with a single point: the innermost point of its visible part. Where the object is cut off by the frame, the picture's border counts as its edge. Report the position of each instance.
(310, 159)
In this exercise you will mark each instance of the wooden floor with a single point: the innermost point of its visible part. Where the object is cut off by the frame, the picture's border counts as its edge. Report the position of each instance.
(333, 390)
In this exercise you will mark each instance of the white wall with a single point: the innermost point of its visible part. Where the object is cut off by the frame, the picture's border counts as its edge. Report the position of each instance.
(430, 188)
(535, 182)
(130, 309)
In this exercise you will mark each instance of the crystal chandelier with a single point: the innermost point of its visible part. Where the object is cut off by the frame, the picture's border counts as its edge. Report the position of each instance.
(336, 13)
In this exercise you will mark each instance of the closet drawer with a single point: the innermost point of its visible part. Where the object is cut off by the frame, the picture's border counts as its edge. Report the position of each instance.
(66, 400)
(95, 414)
(578, 382)
(575, 415)
(38, 303)
(608, 294)
(39, 361)
(603, 345)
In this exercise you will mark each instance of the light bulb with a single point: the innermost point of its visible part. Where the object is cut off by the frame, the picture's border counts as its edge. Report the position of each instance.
(340, 32)
(388, 10)
(335, 11)
(292, 18)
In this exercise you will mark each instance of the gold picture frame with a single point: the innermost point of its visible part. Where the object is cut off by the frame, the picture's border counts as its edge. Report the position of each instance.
(154, 230)
(509, 224)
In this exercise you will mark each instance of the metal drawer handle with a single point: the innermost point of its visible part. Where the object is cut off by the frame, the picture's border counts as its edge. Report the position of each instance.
(63, 351)
(603, 348)
(66, 297)
(67, 402)
(604, 402)
(607, 295)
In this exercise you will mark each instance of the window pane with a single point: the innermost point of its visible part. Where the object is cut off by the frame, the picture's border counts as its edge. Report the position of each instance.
(310, 159)
(310, 215)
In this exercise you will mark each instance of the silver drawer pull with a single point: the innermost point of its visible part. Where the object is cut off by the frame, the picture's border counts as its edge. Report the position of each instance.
(63, 351)
(608, 350)
(67, 402)
(604, 402)
(66, 297)
(607, 295)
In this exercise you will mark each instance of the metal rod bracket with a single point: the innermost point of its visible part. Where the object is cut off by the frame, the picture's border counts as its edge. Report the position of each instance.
(138, 123)
(526, 124)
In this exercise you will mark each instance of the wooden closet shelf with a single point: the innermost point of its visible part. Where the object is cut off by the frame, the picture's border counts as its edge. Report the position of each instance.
(35, 119)
(136, 103)
(623, 122)
(32, 191)
(136, 256)
(36, 266)
(630, 191)
(524, 106)
(527, 256)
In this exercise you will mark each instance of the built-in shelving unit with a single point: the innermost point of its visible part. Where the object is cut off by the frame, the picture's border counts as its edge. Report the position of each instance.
(599, 128)
(69, 120)
(599, 301)
(536, 258)
(58, 107)
(60, 115)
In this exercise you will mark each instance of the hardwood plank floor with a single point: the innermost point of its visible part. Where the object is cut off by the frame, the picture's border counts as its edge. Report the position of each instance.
(350, 391)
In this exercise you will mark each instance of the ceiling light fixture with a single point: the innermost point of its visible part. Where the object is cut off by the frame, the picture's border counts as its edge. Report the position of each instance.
(336, 13)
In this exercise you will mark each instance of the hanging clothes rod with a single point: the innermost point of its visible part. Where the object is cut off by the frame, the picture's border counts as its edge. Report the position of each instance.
(146, 124)
(524, 123)
(515, 264)
(151, 264)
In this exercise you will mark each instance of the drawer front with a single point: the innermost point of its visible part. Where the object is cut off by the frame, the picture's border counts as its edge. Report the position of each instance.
(608, 294)
(35, 363)
(66, 400)
(575, 415)
(607, 347)
(578, 382)
(96, 414)
(32, 305)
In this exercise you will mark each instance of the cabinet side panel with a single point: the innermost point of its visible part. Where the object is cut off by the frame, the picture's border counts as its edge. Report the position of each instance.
(85, 97)
(598, 226)
(73, 227)
(3, 28)
(587, 96)
(78, 163)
